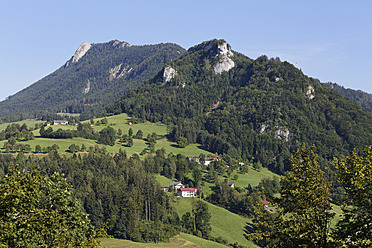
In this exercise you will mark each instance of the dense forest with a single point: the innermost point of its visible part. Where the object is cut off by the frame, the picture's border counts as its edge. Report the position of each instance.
(260, 110)
(101, 76)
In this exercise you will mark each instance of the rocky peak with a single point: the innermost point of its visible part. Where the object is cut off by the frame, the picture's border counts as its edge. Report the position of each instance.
(221, 50)
(119, 44)
(81, 51)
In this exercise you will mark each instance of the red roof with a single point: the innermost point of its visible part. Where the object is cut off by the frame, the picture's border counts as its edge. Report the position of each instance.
(188, 189)
(212, 158)
(265, 202)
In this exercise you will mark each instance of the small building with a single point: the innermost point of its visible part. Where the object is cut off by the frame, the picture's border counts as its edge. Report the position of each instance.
(231, 184)
(194, 159)
(60, 122)
(266, 205)
(188, 192)
(176, 185)
(210, 159)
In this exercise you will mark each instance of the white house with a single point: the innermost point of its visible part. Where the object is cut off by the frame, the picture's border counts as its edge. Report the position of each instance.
(60, 122)
(207, 161)
(176, 185)
(188, 192)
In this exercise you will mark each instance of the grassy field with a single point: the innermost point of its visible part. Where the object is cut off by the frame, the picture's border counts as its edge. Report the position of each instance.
(225, 224)
(29, 123)
(121, 122)
(253, 177)
(164, 181)
(180, 241)
(117, 122)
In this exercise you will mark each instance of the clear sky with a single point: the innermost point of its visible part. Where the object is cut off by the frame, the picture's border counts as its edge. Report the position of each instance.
(328, 40)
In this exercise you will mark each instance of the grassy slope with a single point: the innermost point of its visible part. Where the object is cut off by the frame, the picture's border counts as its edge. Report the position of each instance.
(29, 123)
(181, 241)
(253, 177)
(117, 122)
(164, 181)
(225, 224)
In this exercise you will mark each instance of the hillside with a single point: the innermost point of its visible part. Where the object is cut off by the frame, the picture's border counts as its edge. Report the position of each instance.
(116, 122)
(96, 75)
(259, 110)
(363, 99)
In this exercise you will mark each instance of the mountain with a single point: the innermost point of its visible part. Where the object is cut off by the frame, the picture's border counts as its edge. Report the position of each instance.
(257, 110)
(96, 75)
(362, 98)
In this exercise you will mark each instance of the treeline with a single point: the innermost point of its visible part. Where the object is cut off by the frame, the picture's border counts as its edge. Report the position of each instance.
(17, 132)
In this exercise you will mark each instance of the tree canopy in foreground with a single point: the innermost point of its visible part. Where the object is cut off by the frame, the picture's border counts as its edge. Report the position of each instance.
(355, 229)
(303, 208)
(37, 211)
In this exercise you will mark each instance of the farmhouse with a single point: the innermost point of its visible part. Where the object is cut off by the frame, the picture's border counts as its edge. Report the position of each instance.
(175, 185)
(210, 159)
(60, 122)
(188, 192)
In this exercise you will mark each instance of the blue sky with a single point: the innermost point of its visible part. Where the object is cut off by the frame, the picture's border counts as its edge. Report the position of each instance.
(328, 40)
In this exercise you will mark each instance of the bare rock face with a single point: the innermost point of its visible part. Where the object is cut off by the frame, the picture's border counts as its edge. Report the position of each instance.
(310, 92)
(168, 74)
(81, 51)
(120, 44)
(119, 71)
(280, 132)
(223, 53)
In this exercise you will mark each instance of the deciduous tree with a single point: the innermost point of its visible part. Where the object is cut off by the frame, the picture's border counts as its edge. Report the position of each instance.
(355, 229)
(36, 211)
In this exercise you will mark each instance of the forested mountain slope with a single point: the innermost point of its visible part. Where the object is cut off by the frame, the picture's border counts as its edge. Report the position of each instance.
(95, 76)
(258, 110)
(363, 99)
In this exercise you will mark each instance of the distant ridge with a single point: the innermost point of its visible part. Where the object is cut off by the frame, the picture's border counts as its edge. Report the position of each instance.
(96, 75)
(362, 98)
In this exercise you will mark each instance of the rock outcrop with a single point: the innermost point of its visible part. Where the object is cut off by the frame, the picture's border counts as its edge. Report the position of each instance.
(81, 51)
(310, 92)
(168, 74)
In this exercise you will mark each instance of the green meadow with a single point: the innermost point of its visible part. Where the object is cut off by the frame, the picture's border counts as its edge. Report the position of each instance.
(29, 123)
(224, 223)
(183, 240)
(117, 122)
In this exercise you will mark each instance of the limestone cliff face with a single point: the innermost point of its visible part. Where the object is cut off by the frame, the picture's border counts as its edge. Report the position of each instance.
(168, 74)
(81, 51)
(220, 52)
(225, 62)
